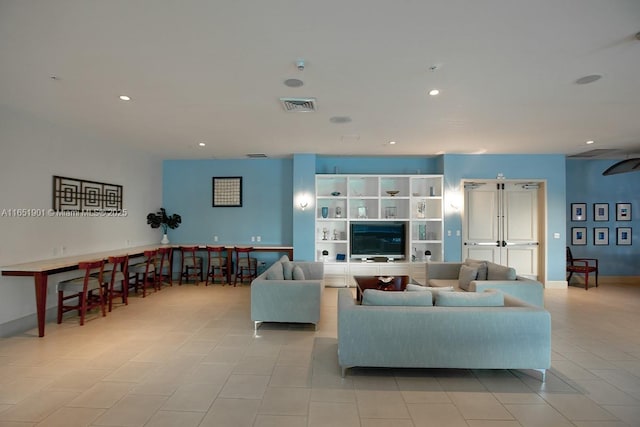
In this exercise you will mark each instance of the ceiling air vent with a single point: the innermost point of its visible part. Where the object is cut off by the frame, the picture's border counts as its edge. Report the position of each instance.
(256, 156)
(298, 105)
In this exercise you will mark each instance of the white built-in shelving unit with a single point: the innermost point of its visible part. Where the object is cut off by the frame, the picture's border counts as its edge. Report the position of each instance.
(343, 199)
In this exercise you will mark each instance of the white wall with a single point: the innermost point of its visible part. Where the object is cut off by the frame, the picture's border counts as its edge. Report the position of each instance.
(31, 152)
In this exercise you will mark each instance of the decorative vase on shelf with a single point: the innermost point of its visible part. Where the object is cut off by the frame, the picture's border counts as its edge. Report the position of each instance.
(165, 239)
(325, 211)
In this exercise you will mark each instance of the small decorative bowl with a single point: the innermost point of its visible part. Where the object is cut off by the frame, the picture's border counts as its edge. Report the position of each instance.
(335, 193)
(392, 192)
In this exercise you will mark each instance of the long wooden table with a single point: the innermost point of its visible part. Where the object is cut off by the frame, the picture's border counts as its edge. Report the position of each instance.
(41, 270)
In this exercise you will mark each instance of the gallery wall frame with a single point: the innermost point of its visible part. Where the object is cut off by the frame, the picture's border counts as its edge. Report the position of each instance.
(601, 236)
(601, 211)
(578, 211)
(623, 211)
(578, 236)
(623, 236)
(226, 191)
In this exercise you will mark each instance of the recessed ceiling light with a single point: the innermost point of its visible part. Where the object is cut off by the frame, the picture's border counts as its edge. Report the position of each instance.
(588, 79)
(392, 143)
(340, 119)
(434, 92)
(293, 82)
(202, 144)
(589, 142)
(125, 98)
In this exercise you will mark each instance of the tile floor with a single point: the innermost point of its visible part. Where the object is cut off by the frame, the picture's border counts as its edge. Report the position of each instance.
(187, 356)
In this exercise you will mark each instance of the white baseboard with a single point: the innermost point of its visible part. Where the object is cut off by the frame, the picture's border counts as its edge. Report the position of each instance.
(556, 284)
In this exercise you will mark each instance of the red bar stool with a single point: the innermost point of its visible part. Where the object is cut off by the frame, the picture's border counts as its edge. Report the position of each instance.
(217, 267)
(246, 266)
(82, 289)
(191, 265)
(145, 273)
(116, 279)
(163, 266)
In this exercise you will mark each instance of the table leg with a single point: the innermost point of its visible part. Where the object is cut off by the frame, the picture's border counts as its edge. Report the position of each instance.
(40, 280)
(229, 264)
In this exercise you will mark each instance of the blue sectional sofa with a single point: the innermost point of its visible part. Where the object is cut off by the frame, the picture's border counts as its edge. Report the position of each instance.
(514, 336)
(288, 292)
(488, 276)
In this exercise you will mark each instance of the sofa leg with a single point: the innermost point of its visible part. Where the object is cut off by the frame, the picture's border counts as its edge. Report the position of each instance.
(255, 325)
(539, 374)
(343, 371)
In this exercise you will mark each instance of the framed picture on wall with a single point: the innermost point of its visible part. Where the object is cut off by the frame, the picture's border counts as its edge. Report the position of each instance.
(601, 211)
(623, 211)
(578, 236)
(623, 237)
(601, 236)
(578, 211)
(227, 191)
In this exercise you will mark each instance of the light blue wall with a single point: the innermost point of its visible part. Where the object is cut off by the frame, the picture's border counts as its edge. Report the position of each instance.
(304, 220)
(586, 184)
(550, 168)
(378, 165)
(271, 185)
(267, 201)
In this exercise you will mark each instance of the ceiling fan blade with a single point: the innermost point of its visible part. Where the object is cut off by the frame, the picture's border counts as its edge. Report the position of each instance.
(629, 165)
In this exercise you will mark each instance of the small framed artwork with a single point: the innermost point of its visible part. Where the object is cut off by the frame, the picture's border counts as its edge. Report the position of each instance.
(601, 236)
(623, 211)
(227, 191)
(601, 211)
(578, 236)
(623, 237)
(578, 211)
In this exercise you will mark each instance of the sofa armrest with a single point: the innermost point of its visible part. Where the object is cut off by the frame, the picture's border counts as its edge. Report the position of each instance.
(528, 290)
(443, 270)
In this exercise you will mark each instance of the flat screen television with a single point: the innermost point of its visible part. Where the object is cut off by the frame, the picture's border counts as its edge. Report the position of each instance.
(378, 239)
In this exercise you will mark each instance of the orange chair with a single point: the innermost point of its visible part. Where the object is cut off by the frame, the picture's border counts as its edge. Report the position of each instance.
(191, 265)
(581, 266)
(217, 267)
(82, 289)
(246, 266)
(145, 273)
(163, 266)
(116, 279)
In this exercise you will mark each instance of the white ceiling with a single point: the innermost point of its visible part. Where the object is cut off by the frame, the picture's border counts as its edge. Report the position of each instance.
(212, 71)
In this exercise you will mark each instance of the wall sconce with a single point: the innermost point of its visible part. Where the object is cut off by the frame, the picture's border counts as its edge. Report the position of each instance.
(303, 201)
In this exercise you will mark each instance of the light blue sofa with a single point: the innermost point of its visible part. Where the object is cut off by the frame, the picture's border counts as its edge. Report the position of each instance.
(516, 336)
(275, 298)
(493, 277)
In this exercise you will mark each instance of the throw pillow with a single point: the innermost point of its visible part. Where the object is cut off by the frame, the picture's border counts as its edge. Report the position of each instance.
(275, 272)
(466, 275)
(284, 258)
(470, 299)
(500, 272)
(390, 298)
(287, 270)
(480, 265)
(298, 274)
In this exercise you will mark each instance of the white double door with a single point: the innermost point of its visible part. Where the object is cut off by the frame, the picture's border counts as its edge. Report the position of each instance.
(501, 223)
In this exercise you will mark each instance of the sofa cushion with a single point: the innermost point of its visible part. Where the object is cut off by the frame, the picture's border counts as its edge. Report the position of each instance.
(470, 299)
(297, 274)
(467, 274)
(500, 272)
(284, 258)
(443, 283)
(480, 265)
(287, 270)
(419, 288)
(275, 272)
(387, 298)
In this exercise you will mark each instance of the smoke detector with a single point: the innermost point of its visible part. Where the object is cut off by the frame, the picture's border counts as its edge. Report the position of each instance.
(299, 105)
